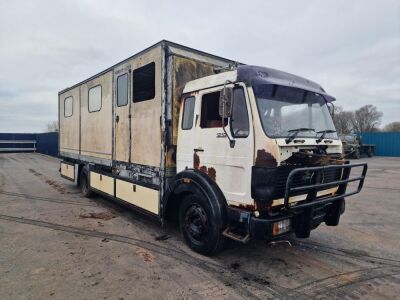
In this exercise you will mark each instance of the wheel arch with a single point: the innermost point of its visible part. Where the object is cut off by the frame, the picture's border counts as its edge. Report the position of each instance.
(81, 169)
(192, 181)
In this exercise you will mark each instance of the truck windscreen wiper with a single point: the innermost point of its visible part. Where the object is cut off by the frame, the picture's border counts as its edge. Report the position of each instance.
(319, 140)
(296, 132)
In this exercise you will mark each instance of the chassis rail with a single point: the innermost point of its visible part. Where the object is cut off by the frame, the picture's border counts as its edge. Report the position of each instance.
(313, 189)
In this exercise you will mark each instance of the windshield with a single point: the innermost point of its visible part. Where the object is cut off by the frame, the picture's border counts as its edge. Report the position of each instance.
(284, 109)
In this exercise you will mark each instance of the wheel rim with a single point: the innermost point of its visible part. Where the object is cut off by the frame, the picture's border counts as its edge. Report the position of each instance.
(196, 223)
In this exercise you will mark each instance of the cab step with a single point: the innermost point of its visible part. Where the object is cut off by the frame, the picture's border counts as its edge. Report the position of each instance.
(236, 237)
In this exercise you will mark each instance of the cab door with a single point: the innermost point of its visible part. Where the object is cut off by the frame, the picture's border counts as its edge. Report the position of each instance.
(205, 145)
(122, 112)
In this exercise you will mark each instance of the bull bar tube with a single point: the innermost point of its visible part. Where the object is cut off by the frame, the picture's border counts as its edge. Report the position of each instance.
(312, 189)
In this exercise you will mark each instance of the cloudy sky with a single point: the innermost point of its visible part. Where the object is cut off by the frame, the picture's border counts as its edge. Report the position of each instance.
(352, 48)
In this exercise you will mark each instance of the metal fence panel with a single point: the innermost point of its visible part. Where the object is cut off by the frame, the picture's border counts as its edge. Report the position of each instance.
(46, 143)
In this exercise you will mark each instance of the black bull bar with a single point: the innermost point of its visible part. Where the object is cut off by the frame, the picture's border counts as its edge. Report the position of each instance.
(318, 184)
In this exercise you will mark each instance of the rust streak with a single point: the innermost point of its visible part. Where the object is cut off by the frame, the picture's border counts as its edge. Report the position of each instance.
(212, 173)
(265, 159)
(196, 161)
(209, 171)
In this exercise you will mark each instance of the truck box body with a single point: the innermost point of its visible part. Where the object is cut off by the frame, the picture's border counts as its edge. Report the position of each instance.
(139, 135)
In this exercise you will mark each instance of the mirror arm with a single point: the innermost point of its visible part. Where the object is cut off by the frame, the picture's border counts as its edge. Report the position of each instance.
(231, 141)
(333, 107)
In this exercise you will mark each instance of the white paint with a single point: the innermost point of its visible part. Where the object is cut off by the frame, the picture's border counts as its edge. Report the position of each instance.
(232, 165)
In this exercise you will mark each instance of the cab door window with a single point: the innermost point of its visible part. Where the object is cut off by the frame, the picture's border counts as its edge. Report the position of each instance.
(240, 116)
(188, 113)
(210, 111)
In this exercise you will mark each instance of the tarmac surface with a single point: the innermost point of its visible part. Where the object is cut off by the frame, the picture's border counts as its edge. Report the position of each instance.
(56, 244)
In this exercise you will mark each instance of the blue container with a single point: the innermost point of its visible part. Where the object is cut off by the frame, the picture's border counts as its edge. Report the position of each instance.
(386, 143)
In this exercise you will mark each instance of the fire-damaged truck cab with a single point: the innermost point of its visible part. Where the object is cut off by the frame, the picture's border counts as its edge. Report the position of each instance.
(227, 150)
(267, 140)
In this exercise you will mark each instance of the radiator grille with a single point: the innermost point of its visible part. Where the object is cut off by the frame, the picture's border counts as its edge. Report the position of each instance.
(303, 178)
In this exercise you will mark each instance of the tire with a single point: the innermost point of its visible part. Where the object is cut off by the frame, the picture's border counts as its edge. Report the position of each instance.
(370, 152)
(85, 185)
(198, 226)
(357, 154)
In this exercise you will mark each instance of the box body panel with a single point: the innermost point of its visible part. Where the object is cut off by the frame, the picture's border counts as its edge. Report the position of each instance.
(138, 195)
(102, 183)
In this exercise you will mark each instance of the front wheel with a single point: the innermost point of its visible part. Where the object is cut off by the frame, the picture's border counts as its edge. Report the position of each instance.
(198, 226)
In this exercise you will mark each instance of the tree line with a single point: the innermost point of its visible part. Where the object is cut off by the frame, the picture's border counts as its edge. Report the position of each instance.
(365, 119)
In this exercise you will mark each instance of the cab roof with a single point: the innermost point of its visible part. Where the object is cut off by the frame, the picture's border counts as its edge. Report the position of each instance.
(255, 75)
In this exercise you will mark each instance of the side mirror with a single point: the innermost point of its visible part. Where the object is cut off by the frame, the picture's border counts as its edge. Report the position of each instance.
(331, 108)
(225, 102)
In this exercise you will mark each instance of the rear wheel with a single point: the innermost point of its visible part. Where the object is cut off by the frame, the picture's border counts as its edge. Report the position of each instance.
(85, 185)
(198, 226)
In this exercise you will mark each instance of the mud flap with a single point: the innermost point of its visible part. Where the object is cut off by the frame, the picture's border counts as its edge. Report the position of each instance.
(333, 213)
(303, 223)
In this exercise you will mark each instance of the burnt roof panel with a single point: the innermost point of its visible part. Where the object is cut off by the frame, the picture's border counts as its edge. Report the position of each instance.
(255, 75)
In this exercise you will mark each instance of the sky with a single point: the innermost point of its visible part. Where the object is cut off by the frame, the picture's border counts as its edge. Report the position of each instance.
(351, 48)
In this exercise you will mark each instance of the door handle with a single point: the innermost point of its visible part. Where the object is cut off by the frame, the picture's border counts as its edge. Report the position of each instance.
(198, 150)
(117, 119)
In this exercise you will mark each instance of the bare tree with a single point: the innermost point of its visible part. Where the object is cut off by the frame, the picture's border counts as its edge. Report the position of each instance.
(52, 126)
(394, 126)
(342, 120)
(366, 118)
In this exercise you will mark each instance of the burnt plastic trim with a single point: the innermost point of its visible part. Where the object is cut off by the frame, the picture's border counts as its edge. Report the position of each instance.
(130, 180)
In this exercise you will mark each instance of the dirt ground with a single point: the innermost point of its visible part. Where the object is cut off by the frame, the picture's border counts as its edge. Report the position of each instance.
(56, 244)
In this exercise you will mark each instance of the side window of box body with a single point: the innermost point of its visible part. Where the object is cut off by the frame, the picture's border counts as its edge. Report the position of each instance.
(122, 90)
(94, 99)
(144, 83)
(68, 106)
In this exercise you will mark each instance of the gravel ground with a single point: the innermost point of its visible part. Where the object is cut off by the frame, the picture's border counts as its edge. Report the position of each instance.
(56, 244)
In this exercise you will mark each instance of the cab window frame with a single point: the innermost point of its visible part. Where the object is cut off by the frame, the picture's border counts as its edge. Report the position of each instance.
(247, 114)
(204, 121)
(192, 112)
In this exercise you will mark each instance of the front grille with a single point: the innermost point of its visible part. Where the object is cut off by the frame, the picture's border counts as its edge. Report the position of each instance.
(303, 179)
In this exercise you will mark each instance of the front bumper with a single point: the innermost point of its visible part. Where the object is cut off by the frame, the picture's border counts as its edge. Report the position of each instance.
(308, 214)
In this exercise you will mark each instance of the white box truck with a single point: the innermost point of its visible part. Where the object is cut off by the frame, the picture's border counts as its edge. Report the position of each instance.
(227, 150)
